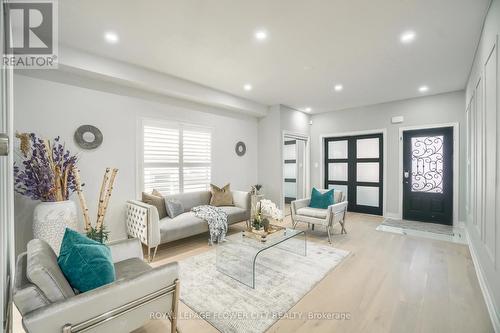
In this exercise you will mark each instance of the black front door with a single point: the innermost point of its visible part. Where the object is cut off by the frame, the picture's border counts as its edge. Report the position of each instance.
(428, 175)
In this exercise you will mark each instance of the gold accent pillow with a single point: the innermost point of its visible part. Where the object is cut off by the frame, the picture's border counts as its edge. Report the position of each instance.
(156, 200)
(221, 196)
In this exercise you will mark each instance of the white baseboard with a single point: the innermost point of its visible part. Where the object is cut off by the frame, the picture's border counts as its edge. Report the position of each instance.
(488, 299)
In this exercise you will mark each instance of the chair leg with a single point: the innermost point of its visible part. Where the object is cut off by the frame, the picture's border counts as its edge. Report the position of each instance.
(343, 231)
(154, 253)
(175, 308)
(329, 233)
(149, 254)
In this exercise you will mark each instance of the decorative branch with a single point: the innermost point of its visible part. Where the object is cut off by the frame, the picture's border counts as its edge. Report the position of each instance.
(83, 202)
(102, 194)
(109, 189)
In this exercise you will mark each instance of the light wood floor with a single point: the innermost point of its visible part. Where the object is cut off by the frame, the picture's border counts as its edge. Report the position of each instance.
(390, 283)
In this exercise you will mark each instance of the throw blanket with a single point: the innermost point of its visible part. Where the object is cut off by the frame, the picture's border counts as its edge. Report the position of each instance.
(216, 219)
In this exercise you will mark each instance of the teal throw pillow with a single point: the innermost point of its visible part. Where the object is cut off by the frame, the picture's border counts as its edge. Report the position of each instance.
(86, 264)
(321, 200)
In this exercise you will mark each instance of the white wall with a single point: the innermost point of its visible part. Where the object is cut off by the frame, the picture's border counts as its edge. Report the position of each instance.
(483, 197)
(269, 169)
(279, 119)
(51, 109)
(437, 109)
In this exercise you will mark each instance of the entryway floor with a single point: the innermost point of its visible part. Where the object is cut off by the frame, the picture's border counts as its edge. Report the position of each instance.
(424, 229)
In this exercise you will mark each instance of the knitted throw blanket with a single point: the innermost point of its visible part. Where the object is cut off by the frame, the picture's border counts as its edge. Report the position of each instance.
(216, 219)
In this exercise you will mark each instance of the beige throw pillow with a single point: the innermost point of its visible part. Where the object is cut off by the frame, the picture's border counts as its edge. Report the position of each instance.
(157, 201)
(221, 196)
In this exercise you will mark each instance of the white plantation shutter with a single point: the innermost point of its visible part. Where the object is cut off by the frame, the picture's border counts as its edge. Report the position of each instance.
(177, 158)
(197, 156)
(161, 159)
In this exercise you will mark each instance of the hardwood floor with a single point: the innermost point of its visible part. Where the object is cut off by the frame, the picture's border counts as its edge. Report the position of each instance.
(389, 283)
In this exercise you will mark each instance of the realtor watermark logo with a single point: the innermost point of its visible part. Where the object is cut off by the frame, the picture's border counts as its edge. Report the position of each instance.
(32, 42)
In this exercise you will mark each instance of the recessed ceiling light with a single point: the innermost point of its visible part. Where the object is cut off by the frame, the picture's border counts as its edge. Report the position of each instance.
(111, 37)
(308, 109)
(423, 89)
(338, 87)
(261, 35)
(407, 37)
(247, 87)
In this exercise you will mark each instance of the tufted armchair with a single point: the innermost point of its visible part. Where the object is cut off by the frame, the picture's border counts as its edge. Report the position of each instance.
(328, 218)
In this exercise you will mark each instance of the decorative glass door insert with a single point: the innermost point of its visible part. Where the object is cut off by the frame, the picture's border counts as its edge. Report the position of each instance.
(427, 164)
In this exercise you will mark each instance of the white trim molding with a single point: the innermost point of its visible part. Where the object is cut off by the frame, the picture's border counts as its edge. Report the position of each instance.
(493, 309)
(456, 166)
(307, 162)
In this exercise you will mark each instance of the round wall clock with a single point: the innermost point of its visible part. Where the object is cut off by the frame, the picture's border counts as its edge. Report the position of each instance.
(88, 137)
(240, 148)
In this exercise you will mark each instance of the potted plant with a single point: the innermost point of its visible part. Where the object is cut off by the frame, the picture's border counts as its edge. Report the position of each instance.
(44, 173)
(266, 209)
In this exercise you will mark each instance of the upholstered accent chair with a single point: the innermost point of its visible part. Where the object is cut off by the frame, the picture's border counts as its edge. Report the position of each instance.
(328, 218)
(47, 302)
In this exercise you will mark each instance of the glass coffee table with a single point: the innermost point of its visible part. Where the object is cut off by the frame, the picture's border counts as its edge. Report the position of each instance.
(236, 257)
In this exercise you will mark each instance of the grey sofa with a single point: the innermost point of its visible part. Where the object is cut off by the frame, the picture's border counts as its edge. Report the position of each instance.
(47, 302)
(143, 221)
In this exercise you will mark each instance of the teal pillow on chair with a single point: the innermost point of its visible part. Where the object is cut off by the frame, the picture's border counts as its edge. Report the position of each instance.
(86, 264)
(321, 200)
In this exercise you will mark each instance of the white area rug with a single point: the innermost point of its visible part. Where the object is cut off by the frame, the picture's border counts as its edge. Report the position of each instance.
(282, 279)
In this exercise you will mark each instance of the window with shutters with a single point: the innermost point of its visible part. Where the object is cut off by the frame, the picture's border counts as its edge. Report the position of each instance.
(176, 158)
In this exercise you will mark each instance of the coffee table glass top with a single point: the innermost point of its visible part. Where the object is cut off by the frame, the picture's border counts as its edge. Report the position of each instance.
(237, 256)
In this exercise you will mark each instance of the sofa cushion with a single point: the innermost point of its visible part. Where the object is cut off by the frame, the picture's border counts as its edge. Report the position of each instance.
(191, 199)
(87, 264)
(235, 214)
(221, 196)
(157, 201)
(321, 200)
(26, 295)
(174, 207)
(337, 196)
(312, 212)
(131, 267)
(184, 225)
(44, 272)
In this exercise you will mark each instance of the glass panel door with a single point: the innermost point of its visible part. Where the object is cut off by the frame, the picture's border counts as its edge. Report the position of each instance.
(354, 165)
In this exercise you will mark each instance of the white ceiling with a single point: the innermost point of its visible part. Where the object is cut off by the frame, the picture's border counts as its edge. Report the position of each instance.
(312, 45)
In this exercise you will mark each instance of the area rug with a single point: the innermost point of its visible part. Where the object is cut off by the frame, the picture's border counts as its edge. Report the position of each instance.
(282, 279)
(420, 226)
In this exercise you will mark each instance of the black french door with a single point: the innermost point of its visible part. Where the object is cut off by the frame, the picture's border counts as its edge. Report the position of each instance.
(354, 165)
(428, 175)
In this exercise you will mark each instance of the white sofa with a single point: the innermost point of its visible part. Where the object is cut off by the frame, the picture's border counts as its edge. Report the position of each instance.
(301, 212)
(143, 221)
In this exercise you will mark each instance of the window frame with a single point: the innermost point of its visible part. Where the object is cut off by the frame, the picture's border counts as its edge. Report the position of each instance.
(168, 123)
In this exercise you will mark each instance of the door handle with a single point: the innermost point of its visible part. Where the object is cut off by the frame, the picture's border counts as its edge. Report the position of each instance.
(406, 174)
(4, 144)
